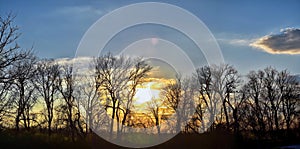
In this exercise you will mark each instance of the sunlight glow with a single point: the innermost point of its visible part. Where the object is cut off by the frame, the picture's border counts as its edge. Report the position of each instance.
(147, 93)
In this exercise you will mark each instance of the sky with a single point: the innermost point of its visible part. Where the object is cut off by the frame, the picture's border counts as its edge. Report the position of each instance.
(251, 34)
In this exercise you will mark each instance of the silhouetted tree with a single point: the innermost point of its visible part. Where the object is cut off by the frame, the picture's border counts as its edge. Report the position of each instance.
(66, 88)
(88, 91)
(112, 72)
(173, 96)
(10, 53)
(154, 107)
(23, 89)
(119, 77)
(272, 97)
(253, 89)
(46, 82)
(179, 96)
(289, 91)
(137, 74)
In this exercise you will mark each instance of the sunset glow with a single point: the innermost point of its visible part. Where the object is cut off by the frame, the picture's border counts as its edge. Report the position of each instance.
(146, 93)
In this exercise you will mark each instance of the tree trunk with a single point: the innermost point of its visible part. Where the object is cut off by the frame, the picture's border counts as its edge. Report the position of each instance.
(112, 120)
(226, 114)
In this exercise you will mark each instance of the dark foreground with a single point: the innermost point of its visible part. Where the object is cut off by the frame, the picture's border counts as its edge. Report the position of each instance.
(214, 140)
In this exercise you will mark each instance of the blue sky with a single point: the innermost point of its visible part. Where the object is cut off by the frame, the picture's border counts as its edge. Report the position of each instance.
(55, 28)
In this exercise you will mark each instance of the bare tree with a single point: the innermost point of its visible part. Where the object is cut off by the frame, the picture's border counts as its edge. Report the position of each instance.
(173, 96)
(226, 81)
(10, 53)
(66, 88)
(215, 84)
(179, 96)
(88, 90)
(46, 83)
(289, 91)
(136, 77)
(271, 95)
(112, 72)
(253, 89)
(23, 89)
(235, 102)
(154, 107)
(209, 97)
(119, 77)
(5, 101)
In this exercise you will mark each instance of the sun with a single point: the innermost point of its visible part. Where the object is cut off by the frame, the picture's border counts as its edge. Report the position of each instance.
(147, 92)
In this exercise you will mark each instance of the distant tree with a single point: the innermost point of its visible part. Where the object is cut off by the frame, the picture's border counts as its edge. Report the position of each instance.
(289, 91)
(206, 101)
(154, 107)
(210, 96)
(272, 97)
(226, 81)
(215, 85)
(173, 96)
(119, 78)
(46, 83)
(23, 89)
(253, 89)
(179, 96)
(88, 91)
(235, 103)
(137, 74)
(5, 100)
(112, 72)
(66, 88)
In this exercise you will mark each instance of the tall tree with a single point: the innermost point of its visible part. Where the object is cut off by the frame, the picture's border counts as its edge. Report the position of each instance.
(271, 95)
(24, 72)
(253, 89)
(154, 107)
(173, 96)
(112, 72)
(46, 82)
(88, 91)
(137, 74)
(226, 81)
(207, 103)
(66, 88)
(119, 78)
(10, 53)
(178, 95)
(289, 91)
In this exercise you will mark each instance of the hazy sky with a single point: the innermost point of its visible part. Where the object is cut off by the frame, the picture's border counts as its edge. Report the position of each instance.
(252, 34)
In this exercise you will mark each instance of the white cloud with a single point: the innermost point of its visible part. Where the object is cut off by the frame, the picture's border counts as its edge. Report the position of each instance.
(80, 10)
(286, 42)
(236, 41)
(240, 42)
(81, 65)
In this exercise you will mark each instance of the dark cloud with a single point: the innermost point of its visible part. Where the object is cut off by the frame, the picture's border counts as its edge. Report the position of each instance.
(287, 42)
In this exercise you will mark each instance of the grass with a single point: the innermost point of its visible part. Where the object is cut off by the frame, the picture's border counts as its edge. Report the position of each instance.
(33, 139)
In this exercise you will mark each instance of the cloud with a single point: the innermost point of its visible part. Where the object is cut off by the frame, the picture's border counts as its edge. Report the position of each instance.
(239, 42)
(235, 40)
(81, 65)
(80, 10)
(286, 42)
(74, 61)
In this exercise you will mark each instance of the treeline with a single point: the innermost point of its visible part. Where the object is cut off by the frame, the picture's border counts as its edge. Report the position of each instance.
(262, 104)
(50, 94)
(45, 94)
